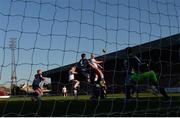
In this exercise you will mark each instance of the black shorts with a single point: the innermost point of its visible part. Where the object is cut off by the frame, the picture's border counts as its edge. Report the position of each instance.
(35, 87)
(85, 74)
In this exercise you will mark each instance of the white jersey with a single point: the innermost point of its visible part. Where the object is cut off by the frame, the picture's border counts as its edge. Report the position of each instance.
(71, 75)
(64, 90)
(93, 63)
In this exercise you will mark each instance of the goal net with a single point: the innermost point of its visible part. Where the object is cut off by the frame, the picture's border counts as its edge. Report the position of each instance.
(51, 35)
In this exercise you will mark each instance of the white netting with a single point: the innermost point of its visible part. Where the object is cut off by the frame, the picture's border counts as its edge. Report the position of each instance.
(53, 33)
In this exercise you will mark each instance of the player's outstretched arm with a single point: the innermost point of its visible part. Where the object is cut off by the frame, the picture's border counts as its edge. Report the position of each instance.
(98, 62)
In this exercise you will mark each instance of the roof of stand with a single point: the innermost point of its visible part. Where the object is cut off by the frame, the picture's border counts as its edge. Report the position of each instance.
(160, 43)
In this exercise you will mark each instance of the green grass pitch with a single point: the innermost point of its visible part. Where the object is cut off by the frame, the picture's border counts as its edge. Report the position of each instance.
(114, 105)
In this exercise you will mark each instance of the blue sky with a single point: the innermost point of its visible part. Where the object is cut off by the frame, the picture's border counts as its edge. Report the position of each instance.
(46, 40)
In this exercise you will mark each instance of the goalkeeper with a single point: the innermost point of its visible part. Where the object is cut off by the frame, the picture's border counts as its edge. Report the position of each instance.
(138, 71)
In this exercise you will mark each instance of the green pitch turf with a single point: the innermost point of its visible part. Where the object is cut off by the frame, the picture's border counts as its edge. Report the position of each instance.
(83, 97)
(114, 105)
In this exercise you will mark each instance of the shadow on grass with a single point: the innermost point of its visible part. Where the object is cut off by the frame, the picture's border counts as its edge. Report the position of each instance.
(107, 107)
